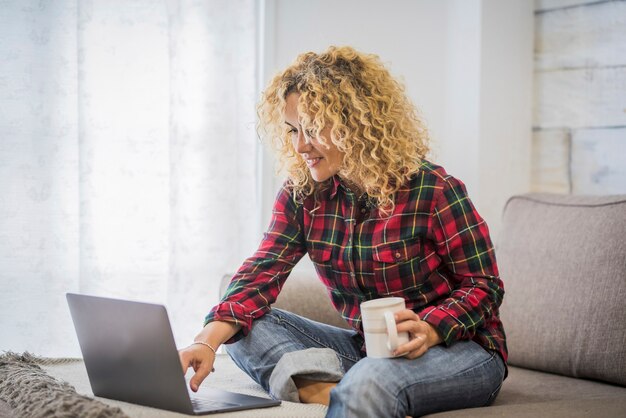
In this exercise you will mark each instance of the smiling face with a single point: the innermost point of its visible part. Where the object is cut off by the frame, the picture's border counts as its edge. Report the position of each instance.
(323, 158)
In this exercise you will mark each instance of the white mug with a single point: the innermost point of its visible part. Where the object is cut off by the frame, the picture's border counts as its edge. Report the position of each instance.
(379, 326)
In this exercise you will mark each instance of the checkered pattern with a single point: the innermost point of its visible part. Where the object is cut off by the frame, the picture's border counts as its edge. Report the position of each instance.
(434, 251)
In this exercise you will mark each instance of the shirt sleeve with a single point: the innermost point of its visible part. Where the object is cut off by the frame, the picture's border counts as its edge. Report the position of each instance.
(259, 280)
(462, 242)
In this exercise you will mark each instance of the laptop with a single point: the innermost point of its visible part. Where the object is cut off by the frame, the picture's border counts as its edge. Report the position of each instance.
(130, 355)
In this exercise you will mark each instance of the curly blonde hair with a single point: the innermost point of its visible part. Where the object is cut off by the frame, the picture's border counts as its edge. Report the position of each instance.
(372, 121)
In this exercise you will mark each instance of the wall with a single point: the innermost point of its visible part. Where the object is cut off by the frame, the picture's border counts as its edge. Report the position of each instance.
(467, 65)
(579, 141)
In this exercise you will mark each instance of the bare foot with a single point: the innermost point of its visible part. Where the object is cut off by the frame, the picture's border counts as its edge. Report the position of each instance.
(312, 391)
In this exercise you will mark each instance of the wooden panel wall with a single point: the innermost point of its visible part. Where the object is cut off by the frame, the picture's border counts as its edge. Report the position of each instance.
(579, 141)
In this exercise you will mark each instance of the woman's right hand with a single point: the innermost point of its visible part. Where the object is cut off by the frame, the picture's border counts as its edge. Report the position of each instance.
(200, 356)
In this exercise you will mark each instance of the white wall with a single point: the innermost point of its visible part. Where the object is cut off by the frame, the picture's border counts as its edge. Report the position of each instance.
(579, 122)
(467, 65)
(506, 83)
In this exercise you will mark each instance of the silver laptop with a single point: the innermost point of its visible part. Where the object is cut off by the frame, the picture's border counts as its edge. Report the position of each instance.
(130, 355)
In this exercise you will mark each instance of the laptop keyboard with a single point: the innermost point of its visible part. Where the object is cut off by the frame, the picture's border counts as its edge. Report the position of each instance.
(201, 404)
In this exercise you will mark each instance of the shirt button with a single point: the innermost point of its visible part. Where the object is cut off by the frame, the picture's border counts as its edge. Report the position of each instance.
(352, 275)
(363, 210)
(397, 255)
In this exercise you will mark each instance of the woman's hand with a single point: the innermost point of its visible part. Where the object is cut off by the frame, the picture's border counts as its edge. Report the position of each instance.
(201, 358)
(422, 335)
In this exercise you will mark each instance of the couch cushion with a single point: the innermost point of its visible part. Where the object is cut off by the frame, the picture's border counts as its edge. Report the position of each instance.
(563, 263)
(579, 408)
(528, 393)
(523, 387)
(525, 393)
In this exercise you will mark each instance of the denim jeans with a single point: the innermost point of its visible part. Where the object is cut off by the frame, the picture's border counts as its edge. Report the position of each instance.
(282, 344)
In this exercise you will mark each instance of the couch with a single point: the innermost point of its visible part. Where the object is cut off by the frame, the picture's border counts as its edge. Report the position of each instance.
(563, 263)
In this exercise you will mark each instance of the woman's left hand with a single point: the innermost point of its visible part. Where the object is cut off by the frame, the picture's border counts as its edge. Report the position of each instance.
(422, 335)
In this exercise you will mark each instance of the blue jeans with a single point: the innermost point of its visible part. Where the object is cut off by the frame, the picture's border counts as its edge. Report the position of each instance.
(282, 344)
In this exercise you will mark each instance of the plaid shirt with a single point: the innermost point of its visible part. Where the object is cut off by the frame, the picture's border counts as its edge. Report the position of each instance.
(434, 251)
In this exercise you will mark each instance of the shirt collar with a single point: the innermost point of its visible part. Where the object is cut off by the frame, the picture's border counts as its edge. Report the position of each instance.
(335, 186)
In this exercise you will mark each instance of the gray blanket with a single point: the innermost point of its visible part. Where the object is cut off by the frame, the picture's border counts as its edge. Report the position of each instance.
(26, 390)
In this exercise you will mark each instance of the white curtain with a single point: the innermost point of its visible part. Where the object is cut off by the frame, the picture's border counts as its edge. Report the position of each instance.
(128, 159)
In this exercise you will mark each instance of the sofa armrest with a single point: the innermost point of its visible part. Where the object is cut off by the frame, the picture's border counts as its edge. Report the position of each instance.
(305, 295)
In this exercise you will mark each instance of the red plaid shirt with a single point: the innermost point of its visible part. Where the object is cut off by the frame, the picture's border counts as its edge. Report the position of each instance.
(434, 251)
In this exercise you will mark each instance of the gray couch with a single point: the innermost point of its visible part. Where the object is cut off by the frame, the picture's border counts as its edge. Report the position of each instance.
(563, 263)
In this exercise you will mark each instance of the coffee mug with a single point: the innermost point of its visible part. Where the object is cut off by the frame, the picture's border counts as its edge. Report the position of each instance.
(379, 326)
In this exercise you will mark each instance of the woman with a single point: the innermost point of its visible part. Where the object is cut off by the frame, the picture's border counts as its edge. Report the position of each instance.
(377, 219)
